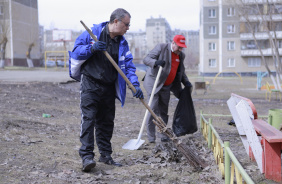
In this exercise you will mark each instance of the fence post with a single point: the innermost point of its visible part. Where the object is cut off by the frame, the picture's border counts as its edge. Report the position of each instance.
(210, 133)
(201, 112)
(45, 57)
(226, 163)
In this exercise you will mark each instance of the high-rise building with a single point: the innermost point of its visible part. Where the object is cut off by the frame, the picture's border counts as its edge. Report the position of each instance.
(192, 51)
(226, 41)
(193, 41)
(19, 25)
(57, 43)
(137, 43)
(157, 31)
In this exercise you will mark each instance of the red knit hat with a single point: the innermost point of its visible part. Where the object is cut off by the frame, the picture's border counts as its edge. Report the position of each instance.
(179, 40)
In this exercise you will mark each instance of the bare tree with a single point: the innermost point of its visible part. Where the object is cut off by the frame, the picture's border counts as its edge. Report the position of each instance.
(3, 44)
(191, 58)
(29, 61)
(267, 21)
(262, 11)
(29, 50)
(4, 31)
(33, 36)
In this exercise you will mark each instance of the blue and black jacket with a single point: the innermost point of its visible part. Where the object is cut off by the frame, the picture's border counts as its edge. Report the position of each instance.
(82, 51)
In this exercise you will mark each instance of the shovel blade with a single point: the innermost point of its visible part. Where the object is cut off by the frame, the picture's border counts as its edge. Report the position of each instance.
(133, 144)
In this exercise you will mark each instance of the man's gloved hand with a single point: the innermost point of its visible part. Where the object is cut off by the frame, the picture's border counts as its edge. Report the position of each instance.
(159, 63)
(188, 84)
(139, 93)
(98, 46)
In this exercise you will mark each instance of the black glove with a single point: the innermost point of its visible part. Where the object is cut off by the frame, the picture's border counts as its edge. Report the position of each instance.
(188, 84)
(139, 93)
(98, 46)
(159, 63)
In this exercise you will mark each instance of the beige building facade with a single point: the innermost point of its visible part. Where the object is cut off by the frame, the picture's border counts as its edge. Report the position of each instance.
(19, 23)
(137, 43)
(157, 31)
(227, 45)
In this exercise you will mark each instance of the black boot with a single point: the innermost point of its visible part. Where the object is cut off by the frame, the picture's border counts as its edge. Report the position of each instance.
(88, 164)
(107, 159)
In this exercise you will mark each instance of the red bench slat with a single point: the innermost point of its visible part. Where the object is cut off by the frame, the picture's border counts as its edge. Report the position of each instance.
(249, 102)
(270, 133)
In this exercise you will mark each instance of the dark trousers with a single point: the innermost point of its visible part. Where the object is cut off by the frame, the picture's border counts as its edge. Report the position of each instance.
(97, 104)
(159, 105)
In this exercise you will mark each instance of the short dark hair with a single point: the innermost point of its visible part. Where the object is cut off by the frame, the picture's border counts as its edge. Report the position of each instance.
(119, 14)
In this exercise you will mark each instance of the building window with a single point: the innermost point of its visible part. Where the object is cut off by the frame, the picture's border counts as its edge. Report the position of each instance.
(212, 46)
(278, 26)
(231, 62)
(231, 45)
(212, 13)
(1, 10)
(279, 43)
(231, 28)
(277, 63)
(231, 11)
(212, 63)
(254, 62)
(212, 30)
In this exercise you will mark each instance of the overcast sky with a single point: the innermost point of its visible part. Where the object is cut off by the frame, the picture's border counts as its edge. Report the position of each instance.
(66, 14)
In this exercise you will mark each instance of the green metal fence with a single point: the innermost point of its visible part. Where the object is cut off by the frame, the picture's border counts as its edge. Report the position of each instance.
(224, 158)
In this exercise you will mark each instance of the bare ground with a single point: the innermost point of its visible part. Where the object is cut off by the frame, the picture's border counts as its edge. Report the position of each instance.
(45, 150)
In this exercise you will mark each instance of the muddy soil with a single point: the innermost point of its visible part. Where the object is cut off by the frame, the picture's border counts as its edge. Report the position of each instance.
(35, 149)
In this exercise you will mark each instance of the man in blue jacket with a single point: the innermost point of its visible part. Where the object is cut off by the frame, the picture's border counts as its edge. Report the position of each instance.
(101, 84)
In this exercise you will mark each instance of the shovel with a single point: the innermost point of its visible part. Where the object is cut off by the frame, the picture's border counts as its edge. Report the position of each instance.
(134, 144)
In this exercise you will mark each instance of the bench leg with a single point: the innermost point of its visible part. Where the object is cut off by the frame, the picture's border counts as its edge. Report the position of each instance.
(272, 160)
(251, 154)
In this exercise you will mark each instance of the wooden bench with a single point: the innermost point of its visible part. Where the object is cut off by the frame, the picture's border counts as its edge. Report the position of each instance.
(266, 145)
(200, 85)
(272, 146)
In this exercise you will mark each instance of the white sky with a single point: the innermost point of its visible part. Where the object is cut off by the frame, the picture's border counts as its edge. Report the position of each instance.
(66, 14)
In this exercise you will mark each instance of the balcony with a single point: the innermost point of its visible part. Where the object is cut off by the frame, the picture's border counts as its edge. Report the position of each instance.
(256, 52)
(260, 35)
(258, 18)
(259, 1)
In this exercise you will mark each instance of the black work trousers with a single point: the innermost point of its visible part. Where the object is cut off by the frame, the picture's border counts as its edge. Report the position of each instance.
(97, 104)
(159, 105)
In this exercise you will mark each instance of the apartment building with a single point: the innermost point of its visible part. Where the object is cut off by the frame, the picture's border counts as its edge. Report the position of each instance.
(193, 41)
(137, 42)
(59, 39)
(157, 31)
(19, 24)
(57, 43)
(226, 42)
(192, 50)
